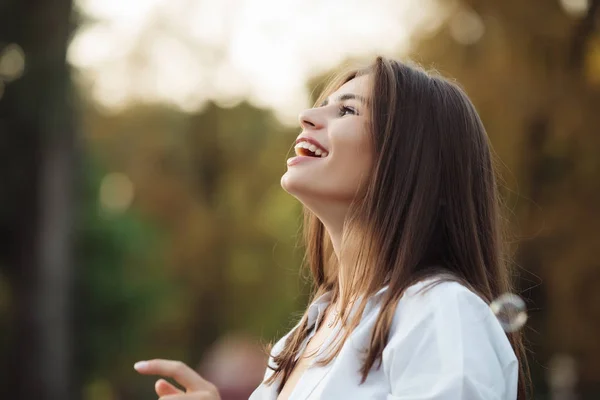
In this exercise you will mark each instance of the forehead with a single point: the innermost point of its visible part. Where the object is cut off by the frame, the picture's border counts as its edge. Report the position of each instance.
(360, 86)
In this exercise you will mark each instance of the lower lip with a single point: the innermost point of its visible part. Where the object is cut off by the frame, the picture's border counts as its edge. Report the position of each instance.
(300, 159)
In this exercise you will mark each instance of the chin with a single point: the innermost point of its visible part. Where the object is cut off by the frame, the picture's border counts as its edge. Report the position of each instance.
(289, 184)
(303, 189)
(296, 185)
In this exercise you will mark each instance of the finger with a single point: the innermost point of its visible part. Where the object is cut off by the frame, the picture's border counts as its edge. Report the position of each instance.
(184, 375)
(164, 388)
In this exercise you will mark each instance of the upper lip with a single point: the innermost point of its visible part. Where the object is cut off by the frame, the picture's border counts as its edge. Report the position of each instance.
(311, 141)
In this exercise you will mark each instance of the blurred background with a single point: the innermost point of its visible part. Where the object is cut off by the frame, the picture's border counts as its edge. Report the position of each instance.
(141, 146)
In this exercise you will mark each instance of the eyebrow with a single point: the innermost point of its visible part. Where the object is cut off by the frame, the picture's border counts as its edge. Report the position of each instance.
(346, 96)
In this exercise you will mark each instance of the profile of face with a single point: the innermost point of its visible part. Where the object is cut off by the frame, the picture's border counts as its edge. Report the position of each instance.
(334, 152)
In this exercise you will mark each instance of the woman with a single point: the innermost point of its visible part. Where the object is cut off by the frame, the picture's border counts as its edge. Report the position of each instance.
(403, 237)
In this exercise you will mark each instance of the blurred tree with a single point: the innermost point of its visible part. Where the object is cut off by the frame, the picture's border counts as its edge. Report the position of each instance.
(210, 182)
(121, 282)
(38, 156)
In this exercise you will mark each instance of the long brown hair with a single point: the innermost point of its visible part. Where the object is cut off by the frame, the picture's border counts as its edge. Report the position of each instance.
(430, 206)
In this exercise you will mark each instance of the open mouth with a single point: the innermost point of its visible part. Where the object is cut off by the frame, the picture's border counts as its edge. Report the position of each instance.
(309, 150)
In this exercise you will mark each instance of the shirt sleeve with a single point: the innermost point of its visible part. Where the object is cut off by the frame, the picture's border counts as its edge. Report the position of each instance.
(446, 344)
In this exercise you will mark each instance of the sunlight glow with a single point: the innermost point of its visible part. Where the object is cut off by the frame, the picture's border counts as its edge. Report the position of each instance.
(188, 52)
(576, 8)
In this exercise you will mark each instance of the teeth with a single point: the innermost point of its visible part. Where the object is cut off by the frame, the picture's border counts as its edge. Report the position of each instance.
(305, 145)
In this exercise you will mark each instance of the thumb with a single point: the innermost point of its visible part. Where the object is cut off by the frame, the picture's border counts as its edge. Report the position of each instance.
(164, 388)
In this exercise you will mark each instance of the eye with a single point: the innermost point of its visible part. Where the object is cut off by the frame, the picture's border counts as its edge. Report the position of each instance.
(345, 110)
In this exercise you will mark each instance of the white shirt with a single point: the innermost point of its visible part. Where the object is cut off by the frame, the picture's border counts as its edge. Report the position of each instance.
(445, 344)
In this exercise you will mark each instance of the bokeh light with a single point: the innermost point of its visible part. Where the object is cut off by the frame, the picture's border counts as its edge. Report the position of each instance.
(466, 27)
(576, 8)
(510, 310)
(12, 62)
(116, 192)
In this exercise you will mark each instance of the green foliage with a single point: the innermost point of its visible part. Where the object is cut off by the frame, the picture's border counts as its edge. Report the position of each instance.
(209, 183)
(210, 243)
(120, 280)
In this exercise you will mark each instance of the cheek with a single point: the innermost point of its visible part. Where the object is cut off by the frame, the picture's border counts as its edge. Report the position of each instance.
(351, 162)
(352, 169)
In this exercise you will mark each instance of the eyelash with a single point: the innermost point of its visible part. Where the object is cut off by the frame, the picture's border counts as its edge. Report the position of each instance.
(343, 108)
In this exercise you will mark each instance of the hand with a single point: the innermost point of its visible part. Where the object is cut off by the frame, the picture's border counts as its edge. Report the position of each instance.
(196, 387)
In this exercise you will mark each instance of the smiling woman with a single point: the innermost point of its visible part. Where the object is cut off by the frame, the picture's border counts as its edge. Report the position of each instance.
(403, 240)
(338, 127)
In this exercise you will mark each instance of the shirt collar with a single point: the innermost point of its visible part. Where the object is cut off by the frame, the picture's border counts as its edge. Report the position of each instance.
(382, 290)
(318, 306)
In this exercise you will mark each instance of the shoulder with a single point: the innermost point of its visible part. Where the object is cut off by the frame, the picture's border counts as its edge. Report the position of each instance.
(451, 316)
(449, 331)
(434, 297)
(450, 324)
(445, 342)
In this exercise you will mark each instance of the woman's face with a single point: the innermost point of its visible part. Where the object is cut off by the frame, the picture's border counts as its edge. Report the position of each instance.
(333, 152)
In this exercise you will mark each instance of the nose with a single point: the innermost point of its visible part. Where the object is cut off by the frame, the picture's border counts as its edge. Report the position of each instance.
(310, 120)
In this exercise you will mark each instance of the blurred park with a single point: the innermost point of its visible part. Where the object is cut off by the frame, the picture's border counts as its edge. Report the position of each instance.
(141, 147)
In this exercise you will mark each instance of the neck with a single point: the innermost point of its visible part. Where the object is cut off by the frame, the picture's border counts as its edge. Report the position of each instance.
(332, 215)
(333, 222)
(335, 232)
